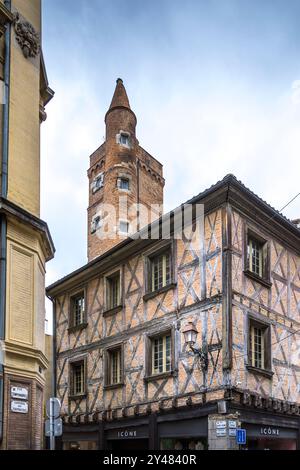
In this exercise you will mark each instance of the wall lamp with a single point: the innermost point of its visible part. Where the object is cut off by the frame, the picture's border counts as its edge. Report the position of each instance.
(190, 333)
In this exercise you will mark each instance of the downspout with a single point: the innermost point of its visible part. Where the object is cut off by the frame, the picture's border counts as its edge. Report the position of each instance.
(3, 221)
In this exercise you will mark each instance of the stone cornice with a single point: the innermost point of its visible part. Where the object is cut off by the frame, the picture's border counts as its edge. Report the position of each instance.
(17, 349)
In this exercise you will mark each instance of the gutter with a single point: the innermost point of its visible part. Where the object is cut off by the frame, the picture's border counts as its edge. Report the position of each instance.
(3, 220)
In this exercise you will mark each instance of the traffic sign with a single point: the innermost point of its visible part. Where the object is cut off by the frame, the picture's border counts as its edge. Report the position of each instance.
(241, 436)
(58, 427)
(53, 408)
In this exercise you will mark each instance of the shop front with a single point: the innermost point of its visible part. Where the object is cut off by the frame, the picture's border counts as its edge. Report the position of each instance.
(270, 437)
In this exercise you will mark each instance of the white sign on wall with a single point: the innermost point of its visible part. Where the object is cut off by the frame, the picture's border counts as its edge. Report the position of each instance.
(19, 392)
(221, 424)
(19, 406)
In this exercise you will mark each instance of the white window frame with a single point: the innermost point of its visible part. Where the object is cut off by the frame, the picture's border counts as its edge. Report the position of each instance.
(95, 185)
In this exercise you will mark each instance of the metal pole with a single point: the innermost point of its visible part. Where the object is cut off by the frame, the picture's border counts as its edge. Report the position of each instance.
(52, 433)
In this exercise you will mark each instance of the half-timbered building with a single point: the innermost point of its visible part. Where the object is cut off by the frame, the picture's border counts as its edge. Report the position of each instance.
(175, 342)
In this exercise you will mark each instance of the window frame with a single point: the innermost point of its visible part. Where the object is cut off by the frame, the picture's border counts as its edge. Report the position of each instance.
(264, 278)
(72, 296)
(72, 364)
(109, 309)
(149, 366)
(95, 186)
(123, 178)
(119, 137)
(265, 326)
(159, 250)
(107, 366)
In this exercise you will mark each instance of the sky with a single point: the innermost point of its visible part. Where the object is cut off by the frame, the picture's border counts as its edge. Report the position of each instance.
(215, 86)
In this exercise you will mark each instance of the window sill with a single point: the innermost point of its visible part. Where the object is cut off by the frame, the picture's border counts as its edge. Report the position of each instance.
(77, 397)
(112, 311)
(255, 370)
(151, 295)
(255, 277)
(163, 375)
(75, 328)
(114, 386)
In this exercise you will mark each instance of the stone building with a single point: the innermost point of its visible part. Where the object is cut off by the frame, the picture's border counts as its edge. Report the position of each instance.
(174, 342)
(25, 239)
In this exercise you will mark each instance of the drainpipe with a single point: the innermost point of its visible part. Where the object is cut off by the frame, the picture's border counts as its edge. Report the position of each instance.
(3, 221)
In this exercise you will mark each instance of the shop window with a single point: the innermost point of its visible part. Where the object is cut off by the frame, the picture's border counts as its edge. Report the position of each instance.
(196, 443)
(78, 379)
(259, 346)
(113, 291)
(114, 368)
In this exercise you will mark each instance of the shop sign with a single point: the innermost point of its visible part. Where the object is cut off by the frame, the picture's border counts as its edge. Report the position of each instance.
(126, 434)
(269, 431)
(19, 406)
(232, 432)
(19, 392)
(221, 424)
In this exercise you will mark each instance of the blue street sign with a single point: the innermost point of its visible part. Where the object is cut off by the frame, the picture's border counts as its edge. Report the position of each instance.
(241, 436)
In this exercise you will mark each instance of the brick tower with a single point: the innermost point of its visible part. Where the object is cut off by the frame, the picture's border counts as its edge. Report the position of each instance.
(125, 182)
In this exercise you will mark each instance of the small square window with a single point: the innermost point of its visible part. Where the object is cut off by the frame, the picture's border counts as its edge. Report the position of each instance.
(114, 375)
(123, 183)
(124, 226)
(98, 182)
(77, 309)
(96, 224)
(124, 139)
(78, 386)
(113, 291)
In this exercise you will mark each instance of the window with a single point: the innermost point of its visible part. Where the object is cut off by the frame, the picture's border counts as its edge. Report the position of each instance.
(259, 345)
(255, 256)
(123, 226)
(113, 291)
(77, 309)
(78, 378)
(98, 182)
(161, 354)
(160, 271)
(96, 223)
(124, 139)
(123, 183)
(114, 369)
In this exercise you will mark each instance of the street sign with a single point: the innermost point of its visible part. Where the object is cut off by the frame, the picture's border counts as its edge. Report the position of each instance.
(54, 405)
(19, 406)
(241, 436)
(58, 427)
(19, 392)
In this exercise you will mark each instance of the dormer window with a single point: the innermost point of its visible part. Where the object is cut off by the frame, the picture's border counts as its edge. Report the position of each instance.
(96, 223)
(123, 183)
(98, 182)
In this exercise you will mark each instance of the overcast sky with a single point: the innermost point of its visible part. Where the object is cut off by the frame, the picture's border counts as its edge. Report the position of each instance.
(215, 85)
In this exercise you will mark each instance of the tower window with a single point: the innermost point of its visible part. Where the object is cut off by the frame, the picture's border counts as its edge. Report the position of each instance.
(98, 182)
(123, 183)
(124, 226)
(124, 139)
(96, 224)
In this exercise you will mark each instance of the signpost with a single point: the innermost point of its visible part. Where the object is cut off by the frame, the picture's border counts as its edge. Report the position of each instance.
(241, 436)
(53, 411)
